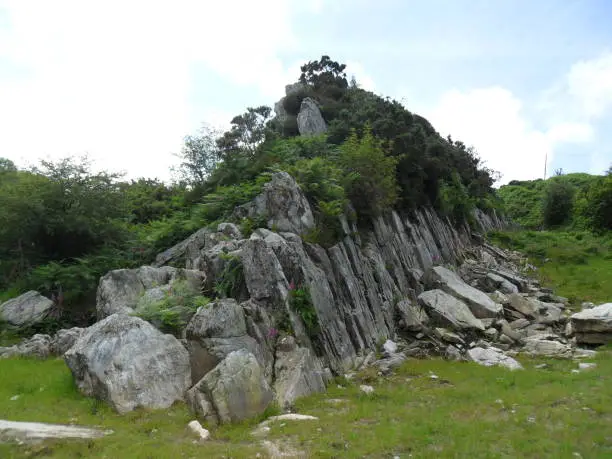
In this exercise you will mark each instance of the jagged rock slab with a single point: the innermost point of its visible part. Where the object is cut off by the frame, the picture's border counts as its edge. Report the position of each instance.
(479, 303)
(27, 309)
(449, 311)
(309, 119)
(547, 345)
(128, 363)
(233, 391)
(594, 325)
(37, 431)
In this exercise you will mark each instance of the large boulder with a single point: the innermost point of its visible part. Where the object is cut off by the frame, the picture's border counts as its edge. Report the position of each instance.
(525, 306)
(234, 390)
(128, 363)
(216, 331)
(309, 119)
(593, 326)
(449, 311)
(64, 339)
(27, 309)
(282, 204)
(480, 304)
(297, 371)
(38, 346)
(120, 290)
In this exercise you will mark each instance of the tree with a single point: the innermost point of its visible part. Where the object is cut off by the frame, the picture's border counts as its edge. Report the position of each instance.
(369, 174)
(199, 156)
(558, 203)
(599, 203)
(247, 133)
(6, 165)
(324, 73)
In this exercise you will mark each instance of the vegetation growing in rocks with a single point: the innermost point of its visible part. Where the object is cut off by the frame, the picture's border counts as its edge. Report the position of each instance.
(171, 313)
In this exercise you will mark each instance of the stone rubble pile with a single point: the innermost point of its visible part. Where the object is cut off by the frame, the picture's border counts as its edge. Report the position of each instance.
(295, 313)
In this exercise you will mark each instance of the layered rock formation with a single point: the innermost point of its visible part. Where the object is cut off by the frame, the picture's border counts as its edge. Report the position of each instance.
(293, 313)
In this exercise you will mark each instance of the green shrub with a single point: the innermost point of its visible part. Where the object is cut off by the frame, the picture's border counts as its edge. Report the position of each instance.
(231, 278)
(302, 304)
(557, 204)
(172, 313)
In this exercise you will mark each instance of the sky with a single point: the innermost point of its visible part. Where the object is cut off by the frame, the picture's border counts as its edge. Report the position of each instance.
(521, 81)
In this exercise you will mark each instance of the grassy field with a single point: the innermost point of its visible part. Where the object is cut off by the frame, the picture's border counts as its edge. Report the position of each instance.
(577, 265)
(468, 411)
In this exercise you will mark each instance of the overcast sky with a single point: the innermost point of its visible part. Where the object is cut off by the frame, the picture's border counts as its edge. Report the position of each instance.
(125, 81)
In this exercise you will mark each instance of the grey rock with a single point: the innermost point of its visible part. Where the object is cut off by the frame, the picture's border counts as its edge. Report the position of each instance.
(298, 372)
(499, 283)
(499, 297)
(449, 311)
(38, 346)
(491, 334)
(28, 309)
(230, 230)
(492, 356)
(479, 303)
(309, 119)
(594, 325)
(448, 336)
(452, 353)
(233, 391)
(128, 363)
(283, 204)
(64, 339)
(119, 291)
(412, 316)
(546, 346)
(526, 306)
(519, 324)
(217, 330)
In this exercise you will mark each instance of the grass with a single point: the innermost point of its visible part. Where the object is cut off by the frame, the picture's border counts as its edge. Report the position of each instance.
(577, 265)
(468, 411)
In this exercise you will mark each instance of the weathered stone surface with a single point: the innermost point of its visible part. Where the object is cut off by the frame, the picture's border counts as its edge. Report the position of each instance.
(120, 290)
(65, 339)
(32, 432)
(479, 303)
(128, 363)
(38, 346)
(309, 119)
(546, 345)
(492, 356)
(499, 283)
(594, 325)
(411, 315)
(234, 390)
(216, 331)
(27, 309)
(526, 306)
(298, 372)
(449, 311)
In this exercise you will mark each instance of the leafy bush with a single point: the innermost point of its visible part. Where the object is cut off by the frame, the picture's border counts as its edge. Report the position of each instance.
(558, 203)
(231, 278)
(172, 313)
(302, 304)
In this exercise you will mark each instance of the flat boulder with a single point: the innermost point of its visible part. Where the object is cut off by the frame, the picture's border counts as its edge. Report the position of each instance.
(594, 325)
(128, 363)
(233, 391)
(492, 356)
(449, 311)
(479, 302)
(28, 309)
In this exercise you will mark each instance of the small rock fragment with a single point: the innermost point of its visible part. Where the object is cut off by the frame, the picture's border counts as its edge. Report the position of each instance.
(198, 430)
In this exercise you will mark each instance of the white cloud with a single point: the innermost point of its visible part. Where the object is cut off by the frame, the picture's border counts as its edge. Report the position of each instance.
(495, 121)
(364, 80)
(590, 84)
(113, 78)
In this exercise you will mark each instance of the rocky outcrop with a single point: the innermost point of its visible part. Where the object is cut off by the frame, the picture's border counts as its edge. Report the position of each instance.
(119, 291)
(234, 390)
(25, 310)
(282, 204)
(42, 346)
(593, 325)
(309, 119)
(128, 363)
